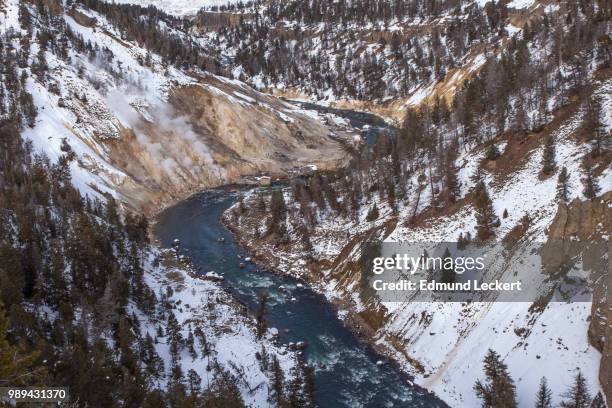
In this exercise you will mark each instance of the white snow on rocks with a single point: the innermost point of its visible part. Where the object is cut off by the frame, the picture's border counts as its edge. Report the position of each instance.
(229, 332)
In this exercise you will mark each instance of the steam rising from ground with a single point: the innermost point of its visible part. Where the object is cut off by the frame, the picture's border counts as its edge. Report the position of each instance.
(167, 137)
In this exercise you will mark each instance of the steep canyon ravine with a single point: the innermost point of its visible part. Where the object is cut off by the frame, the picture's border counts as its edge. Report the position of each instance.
(346, 371)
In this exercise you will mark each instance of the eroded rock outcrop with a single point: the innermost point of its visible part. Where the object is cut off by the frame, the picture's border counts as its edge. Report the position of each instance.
(591, 221)
(151, 134)
(211, 133)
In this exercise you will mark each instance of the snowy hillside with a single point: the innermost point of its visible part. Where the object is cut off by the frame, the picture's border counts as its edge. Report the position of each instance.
(227, 338)
(374, 56)
(136, 128)
(450, 344)
(425, 186)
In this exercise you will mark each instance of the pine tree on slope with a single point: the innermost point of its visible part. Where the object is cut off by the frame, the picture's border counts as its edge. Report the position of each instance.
(544, 397)
(598, 401)
(594, 126)
(578, 394)
(548, 157)
(450, 170)
(278, 209)
(16, 367)
(448, 273)
(277, 394)
(591, 188)
(499, 390)
(485, 214)
(562, 193)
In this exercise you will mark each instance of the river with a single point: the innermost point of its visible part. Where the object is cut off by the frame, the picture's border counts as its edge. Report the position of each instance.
(370, 126)
(347, 374)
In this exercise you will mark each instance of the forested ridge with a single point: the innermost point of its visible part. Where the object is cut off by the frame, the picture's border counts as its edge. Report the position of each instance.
(365, 50)
(73, 288)
(370, 50)
(459, 169)
(515, 95)
(77, 305)
(159, 33)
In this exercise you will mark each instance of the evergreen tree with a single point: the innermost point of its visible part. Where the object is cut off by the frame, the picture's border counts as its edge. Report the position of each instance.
(578, 394)
(125, 339)
(594, 126)
(204, 348)
(305, 234)
(448, 273)
(450, 173)
(598, 401)
(485, 214)
(260, 316)
(277, 392)
(223, 392)
(498, 391)
(190, 343)
(260, 203)
(562, 188)
(264, 358)
(278, 209)
(309, 385)
(17, 367)
(175, 339)
(544, 397)
(461, 241)
(548, 157)
(301, 387)
(176, 387)
(193, 382)
(520, 123)
(373, 213)
(492, 152)
(316, 191)
(154, 364)
(543, 111)
(589, 181)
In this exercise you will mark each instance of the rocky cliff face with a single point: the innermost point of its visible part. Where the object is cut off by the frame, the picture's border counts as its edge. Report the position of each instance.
(213, 132)
(591, 221)
(151, 134)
